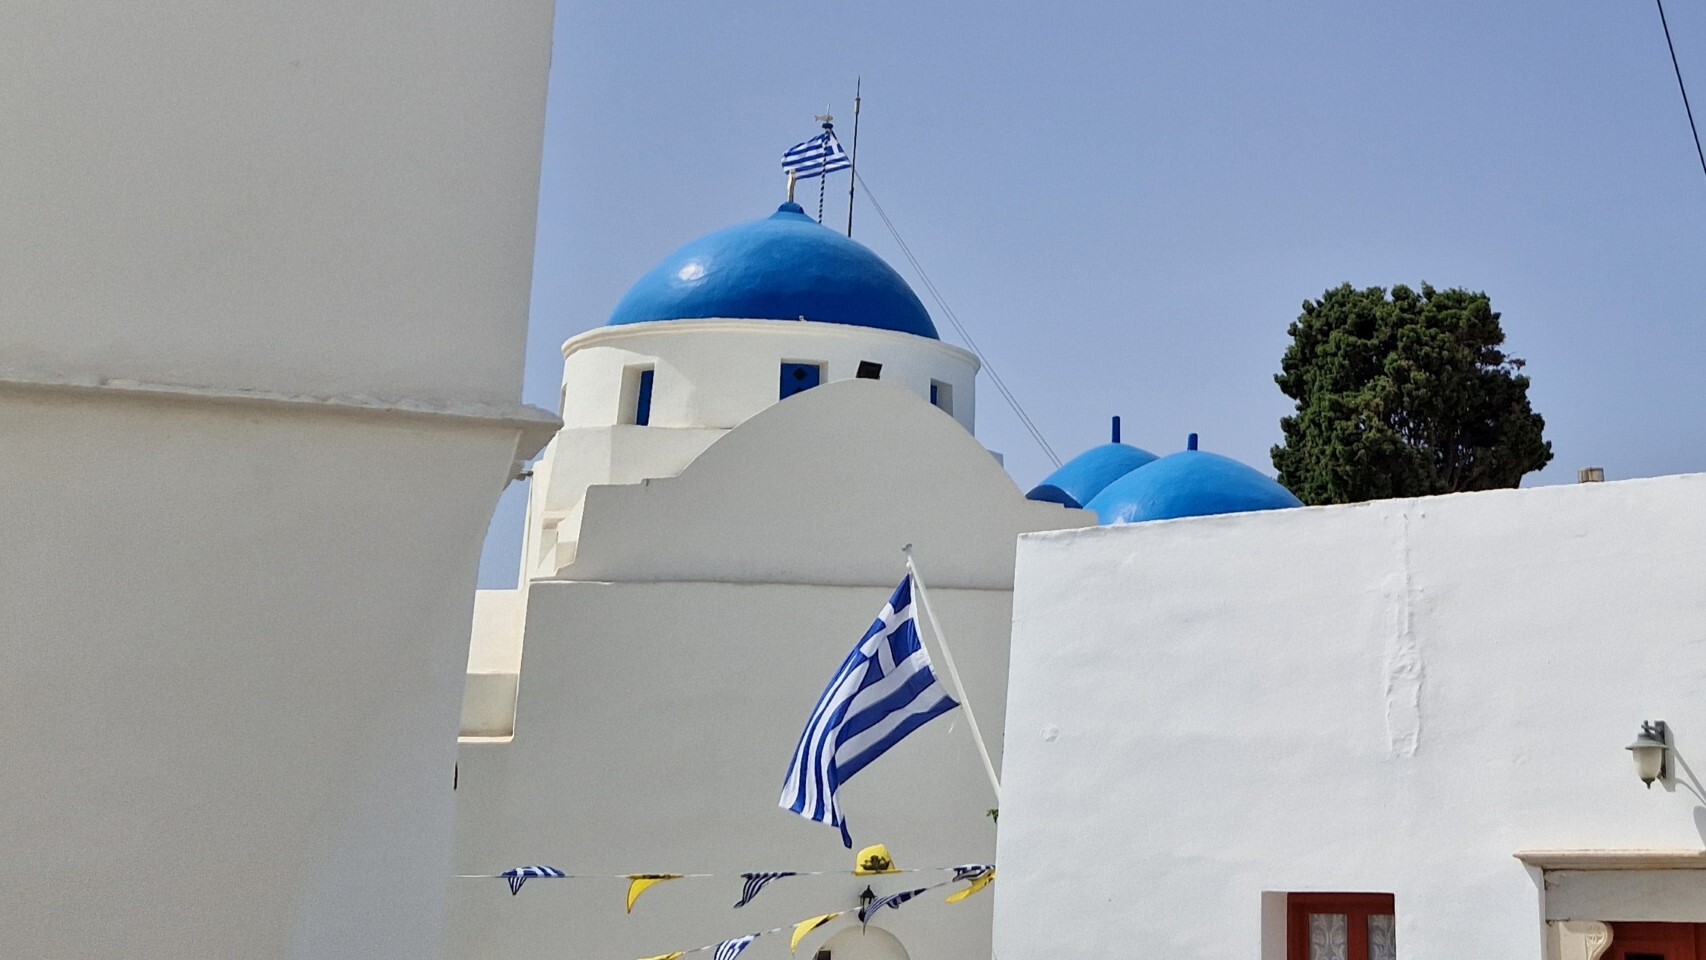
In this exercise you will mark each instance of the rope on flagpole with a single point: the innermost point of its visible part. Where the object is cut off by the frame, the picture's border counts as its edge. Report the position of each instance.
(953, 674)
(823, 175)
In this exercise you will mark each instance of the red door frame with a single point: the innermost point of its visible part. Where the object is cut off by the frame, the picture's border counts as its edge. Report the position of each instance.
(1673, 941)
(1356, 906)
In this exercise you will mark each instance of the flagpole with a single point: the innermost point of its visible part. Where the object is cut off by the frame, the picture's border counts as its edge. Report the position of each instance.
(853, 170)
(953, 674)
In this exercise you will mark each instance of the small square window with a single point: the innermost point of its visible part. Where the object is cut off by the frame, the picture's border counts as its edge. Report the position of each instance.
(869, 370)
(799, 377)
(942, 395)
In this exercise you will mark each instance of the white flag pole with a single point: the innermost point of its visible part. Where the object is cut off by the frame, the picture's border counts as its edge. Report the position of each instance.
(953, 674)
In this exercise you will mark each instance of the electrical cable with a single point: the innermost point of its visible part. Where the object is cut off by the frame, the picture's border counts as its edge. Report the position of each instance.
(947, 311)
(1678, 68)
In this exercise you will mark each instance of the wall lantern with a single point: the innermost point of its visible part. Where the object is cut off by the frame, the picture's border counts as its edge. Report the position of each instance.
(1649, 749)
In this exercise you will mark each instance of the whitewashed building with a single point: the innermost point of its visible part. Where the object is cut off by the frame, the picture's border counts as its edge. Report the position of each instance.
(1360, 732)
(264, 277)
(767, 419)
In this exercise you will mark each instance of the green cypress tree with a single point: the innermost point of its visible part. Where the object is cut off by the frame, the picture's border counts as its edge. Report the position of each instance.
(1403, 395)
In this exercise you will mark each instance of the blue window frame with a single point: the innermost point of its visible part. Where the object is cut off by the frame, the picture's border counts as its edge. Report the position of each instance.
(799, 377)
(643, 399)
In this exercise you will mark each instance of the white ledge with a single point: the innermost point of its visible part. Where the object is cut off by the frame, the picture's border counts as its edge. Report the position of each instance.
(1614, 859)
(535, 426)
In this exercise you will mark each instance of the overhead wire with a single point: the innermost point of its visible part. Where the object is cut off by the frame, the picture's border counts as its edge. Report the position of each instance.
(1685, 105)
(947, 311)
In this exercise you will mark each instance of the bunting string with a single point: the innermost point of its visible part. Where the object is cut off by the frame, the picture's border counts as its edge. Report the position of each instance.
(730, 948)
(559, 875)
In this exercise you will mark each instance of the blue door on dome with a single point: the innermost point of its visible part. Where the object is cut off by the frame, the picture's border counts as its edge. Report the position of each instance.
(798, 377)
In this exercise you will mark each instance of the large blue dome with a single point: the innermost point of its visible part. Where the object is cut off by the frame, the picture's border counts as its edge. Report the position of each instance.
(785, 267)
(1190, 483)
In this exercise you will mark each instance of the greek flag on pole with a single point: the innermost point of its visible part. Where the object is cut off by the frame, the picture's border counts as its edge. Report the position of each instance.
(884, 690)
(815, 157)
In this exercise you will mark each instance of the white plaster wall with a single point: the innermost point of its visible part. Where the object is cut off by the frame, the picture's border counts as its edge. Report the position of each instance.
(823, 488)
(264, 278)
(229, 695)
(655, 724)
(668, 671)
(294, 196)
(717, 373)
(1391, 697)
(710, 376)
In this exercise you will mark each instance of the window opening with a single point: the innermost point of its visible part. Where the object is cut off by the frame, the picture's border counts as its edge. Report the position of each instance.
(799, 377)
(869, 370)
(942, 395)
(636, 400)
(1340, 926)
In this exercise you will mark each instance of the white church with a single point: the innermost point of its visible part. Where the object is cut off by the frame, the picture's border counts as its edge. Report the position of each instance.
(254, 706)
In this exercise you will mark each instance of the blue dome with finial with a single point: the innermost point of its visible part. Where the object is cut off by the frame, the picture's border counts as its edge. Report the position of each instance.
(1190, 483)
(1077, 481)
(784, 267)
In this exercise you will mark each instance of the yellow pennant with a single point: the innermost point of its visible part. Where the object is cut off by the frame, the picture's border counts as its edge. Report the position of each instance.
(807, 926)
(873, 860)
(677, 955)
(639, 883)
(976, 885)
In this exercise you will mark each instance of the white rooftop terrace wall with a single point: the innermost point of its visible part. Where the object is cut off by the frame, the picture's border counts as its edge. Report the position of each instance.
(263, 290)
(1392, 697)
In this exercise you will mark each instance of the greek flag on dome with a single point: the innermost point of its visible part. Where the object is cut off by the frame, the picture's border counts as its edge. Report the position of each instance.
(815, 157)
(884, 690)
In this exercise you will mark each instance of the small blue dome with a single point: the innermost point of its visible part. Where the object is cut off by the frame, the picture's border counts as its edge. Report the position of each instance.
(1190, 483)
(785, 267)
(1078, 480)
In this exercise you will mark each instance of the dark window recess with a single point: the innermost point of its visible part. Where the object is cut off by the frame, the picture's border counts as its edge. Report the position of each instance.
(799, 377)
(942, 396)
(643, 400)
(869, 370)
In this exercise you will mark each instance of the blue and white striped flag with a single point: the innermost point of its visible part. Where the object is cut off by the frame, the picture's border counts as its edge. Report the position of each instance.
(884, 690)
(892, 900)
(519, 876)
(730, 949)
(756, 881)
(815, 157)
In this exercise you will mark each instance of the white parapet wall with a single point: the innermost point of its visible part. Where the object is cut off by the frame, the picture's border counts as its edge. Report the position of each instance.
(263, 289)
(1394, 697)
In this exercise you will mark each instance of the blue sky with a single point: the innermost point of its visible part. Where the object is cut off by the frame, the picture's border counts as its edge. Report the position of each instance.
(1127, 202)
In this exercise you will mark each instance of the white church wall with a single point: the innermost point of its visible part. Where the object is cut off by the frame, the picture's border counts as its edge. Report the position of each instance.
(823, 488)
(717, 373)
(667, 672)
(1392, 697)
(655, 724)
(295, 197)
